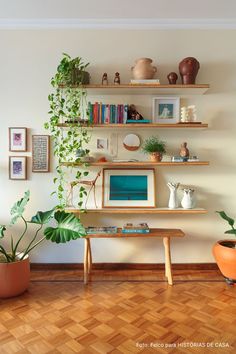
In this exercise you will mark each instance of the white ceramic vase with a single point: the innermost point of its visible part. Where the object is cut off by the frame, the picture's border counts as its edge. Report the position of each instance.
(188, 199)
(173, 199)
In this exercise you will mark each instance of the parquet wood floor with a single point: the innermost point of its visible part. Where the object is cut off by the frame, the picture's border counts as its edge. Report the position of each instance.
(58, 314)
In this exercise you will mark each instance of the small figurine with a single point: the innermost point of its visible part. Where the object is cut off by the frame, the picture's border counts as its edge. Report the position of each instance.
(133, 114)
(117, 79)
(104, 79)
(172, 78)
(184, 151)
(192, 115)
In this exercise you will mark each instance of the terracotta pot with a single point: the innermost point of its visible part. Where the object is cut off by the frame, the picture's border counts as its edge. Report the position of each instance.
(143, 70)
(225, 257)
(156, 156)
(14, 278)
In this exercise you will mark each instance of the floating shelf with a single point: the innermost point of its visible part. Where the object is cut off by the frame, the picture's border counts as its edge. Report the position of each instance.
(128, 89)
(139, 211)
(140, 125)
(138, 164)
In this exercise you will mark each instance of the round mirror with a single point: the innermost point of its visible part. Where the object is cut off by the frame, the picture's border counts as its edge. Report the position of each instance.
(131, 142)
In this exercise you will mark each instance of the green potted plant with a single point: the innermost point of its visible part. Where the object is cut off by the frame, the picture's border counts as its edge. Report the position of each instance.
(14, 260)
(154, 147)
(224, 252)
(68, 106)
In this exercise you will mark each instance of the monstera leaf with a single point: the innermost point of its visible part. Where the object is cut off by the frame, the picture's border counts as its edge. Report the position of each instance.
(226, 217)
(68, 228)
(19, 207)
(2, 229)
(42, 217)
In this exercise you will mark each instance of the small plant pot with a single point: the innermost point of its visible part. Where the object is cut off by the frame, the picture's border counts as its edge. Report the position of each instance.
(156, 156)
(224, 252)
(14, 278)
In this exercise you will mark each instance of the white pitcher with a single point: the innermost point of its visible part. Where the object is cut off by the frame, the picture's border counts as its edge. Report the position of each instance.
(173, 200)
(188, 199)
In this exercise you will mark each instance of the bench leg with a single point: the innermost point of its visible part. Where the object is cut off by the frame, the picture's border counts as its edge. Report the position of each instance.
(90, 261)
(86, 255)
(168, 272)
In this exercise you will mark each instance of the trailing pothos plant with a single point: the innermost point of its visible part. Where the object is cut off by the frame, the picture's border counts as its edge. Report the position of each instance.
(68, 227)
(68, 104)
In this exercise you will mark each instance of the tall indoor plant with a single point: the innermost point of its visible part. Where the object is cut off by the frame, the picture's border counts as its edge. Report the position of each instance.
(224, 251)
(68, 106)
(14, 260)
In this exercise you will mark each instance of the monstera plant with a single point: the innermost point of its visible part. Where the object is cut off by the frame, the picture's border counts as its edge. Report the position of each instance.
(14, 260)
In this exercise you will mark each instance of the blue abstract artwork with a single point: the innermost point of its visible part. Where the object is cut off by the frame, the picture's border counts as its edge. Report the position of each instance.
(128, 187)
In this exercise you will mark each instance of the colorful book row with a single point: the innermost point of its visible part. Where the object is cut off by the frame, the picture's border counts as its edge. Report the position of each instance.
(100, 113)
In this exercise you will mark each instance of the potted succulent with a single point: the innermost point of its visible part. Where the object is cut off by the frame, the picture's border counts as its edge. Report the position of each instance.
(14, 261)
(224, 252)
(154, 147)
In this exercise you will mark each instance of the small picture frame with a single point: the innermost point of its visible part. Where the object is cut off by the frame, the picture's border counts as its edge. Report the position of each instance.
(128, 188)
(166, 110)
(18, 167)
(102, 144)
(40, 153)
(17, 139)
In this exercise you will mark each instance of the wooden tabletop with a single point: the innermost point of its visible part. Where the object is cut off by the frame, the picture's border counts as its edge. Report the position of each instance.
(152, 233)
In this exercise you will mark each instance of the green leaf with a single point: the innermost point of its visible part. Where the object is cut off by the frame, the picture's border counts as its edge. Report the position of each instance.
(42, 218)
(226, 217)
(19, 207)
(2, 229)
(231, 232)
(68, 228)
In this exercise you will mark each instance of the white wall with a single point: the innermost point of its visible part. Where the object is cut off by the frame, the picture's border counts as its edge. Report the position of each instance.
(28, 60)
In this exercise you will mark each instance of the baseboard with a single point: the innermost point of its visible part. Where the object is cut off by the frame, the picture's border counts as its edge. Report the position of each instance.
(120, 266)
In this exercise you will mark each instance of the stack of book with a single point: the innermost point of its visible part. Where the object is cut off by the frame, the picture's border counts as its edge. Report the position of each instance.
(101, 230)
(100, 113)
(140, 228)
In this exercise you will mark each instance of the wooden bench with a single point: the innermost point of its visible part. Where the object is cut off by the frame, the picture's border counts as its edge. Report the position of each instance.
(165, 234)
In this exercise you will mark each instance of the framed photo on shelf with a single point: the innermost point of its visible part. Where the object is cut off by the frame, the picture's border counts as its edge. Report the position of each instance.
(18, 167)
(17, 139)
(128, 188)
(40, 153)
(166, 110)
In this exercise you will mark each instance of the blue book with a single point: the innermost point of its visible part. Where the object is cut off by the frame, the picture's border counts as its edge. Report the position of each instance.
(141, 121)
(135, 231)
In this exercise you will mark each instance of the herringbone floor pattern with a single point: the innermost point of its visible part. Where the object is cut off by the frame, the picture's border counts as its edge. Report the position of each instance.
(115, 317)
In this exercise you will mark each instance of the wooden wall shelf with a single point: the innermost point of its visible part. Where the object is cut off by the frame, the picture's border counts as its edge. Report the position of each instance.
(138, 164)
(139, 211)
(140, 125)
(128, 89)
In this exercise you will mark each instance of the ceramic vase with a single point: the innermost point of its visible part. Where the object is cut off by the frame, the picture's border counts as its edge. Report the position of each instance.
(188, 199)
(143, 69)
(173, 199)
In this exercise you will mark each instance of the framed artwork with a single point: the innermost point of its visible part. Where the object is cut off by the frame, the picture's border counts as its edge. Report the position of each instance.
(128, 188)
(17, 167)
(17, 139)
(102, 144)
(166, 109)
(40, 153)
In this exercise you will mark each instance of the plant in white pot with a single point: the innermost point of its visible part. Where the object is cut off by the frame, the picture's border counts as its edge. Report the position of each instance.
(14, 261)
(224, 252)
(154, 147)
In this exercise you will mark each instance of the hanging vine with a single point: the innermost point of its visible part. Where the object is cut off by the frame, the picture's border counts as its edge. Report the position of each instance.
(68, 104)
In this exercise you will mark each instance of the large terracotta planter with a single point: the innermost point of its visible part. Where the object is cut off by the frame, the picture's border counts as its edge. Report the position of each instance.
(224, 252)
(14, 278)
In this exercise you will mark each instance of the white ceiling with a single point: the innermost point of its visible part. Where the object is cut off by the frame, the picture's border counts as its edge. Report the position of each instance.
(98, 11)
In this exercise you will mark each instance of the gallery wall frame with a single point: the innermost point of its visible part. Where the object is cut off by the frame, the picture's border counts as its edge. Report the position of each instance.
(128, 188)
(40, 153)
(17, 139)
(17, 167)
(166, 109)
